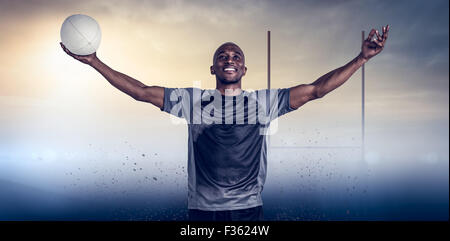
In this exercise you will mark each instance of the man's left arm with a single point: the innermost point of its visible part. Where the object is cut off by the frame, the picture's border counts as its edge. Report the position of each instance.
(301, 94)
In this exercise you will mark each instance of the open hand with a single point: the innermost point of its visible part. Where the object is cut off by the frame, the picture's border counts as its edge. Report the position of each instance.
(373, 47)
(87, 59)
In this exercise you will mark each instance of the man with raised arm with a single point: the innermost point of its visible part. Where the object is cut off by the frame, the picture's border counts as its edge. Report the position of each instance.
(227, 148)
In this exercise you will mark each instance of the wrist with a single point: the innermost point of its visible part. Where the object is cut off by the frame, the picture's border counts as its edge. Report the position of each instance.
(361, 59)
(94, 61)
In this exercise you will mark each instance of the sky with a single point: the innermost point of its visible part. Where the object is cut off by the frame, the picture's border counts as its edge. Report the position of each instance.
(58, 115)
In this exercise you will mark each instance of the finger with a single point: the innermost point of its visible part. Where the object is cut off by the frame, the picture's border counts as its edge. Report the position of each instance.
(68, 52)
(378, 36)
(379, 43)
(370, 36)
(62, 46)
(385, 35)
(65, 49)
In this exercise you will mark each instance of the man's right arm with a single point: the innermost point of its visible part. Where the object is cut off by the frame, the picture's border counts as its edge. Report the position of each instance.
(123, 82)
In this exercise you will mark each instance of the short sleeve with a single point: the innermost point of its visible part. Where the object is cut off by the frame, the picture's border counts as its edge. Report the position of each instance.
(278, 103)
(284, 105)
(177, 102)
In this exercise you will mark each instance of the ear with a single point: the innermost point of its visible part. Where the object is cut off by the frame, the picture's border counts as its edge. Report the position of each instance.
(245, 71)
(212, 70)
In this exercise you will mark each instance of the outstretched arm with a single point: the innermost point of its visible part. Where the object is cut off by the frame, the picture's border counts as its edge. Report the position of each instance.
(301, 94)
(126, 84)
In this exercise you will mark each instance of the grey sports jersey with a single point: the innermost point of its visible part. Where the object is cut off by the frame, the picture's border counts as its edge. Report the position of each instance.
(227, 155)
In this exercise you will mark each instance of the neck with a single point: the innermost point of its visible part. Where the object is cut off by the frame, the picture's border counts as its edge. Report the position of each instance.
(229, 89)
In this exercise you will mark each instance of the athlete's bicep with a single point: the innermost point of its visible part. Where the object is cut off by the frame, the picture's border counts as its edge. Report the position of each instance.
(301, 94)
(153, 95)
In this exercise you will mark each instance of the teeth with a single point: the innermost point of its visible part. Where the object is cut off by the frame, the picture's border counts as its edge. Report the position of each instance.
(229, 69)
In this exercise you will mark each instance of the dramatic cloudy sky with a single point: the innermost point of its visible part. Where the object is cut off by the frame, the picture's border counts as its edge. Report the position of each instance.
(57, 114)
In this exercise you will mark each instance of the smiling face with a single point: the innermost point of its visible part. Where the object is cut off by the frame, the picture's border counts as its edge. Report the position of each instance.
(228, 64)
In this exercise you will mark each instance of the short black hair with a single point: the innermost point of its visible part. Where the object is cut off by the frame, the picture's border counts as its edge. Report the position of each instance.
(225, 44)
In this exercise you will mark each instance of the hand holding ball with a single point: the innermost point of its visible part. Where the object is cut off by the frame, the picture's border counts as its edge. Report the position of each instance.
(80, 34)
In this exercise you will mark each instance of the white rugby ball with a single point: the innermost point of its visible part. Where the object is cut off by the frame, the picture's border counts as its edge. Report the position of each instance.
(81, 34)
